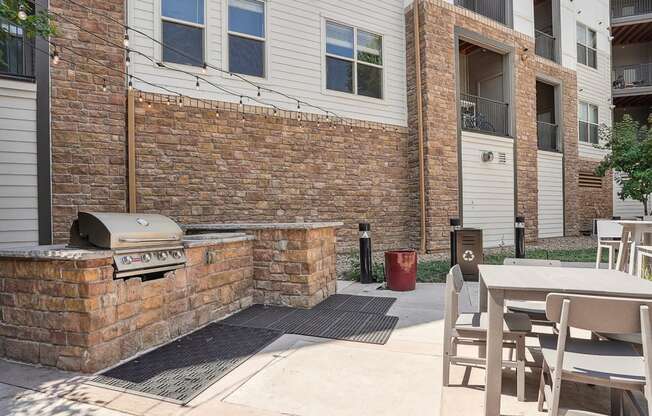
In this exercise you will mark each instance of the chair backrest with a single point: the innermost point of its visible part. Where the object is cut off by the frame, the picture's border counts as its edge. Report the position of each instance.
(532, 262)
(454, 284)
(647, 218)
(598, 313)
(609, 229)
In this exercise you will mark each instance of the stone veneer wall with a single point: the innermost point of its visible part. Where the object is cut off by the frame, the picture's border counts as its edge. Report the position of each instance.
(73, 315)
(88, 128)
(199, 168)
(592, 202)
(438, 20)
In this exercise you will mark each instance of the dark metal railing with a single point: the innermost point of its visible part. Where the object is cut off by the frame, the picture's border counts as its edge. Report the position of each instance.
(483, 114)
(627, 8)
(493, 9)
(544, 45)
(16, 52)
(630, 76)
(547, 134)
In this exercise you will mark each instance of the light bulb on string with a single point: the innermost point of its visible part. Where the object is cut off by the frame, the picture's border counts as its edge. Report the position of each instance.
(22, 14)
(217, 112)
(149, 104)
(241, 104)
(259, 91)
(126, 39)
(55, 57)
(128, 59)
(167, 102)
(204, 68)
(104, 84)
(197, 84)
(140, 97)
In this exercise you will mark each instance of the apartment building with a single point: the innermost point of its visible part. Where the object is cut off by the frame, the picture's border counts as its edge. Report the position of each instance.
(631, 28)
(499, 120)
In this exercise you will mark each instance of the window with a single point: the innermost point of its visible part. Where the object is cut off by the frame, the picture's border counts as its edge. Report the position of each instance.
(588, 123)
(247, 37)
(354, 61)
(16, 52)
(183, 31)
(586, 46)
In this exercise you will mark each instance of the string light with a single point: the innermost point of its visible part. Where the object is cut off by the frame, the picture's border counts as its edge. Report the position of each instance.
(259, 91)
(131, 84)
(55, 56)
(241, 105)
(204, 68)
(197, 84)
(298, 105)
(128, 60)
(22, 14)
(140, 97)
(149, 104)
(126, 39)
(217, 112)
(104, 84)
(167, 102)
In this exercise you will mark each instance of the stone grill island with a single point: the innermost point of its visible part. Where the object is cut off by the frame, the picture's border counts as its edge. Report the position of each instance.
(62, 307)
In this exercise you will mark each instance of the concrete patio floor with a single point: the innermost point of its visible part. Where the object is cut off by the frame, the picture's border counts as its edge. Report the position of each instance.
(299, 375)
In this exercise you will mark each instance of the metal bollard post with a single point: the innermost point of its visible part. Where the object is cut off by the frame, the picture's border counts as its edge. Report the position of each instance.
(456, 225)
(519, 237)
(365, 253)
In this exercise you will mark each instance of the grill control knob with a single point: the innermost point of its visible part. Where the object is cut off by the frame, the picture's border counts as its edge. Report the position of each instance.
(163, 255)
(176, 254)
(146, 257)
(127, 260)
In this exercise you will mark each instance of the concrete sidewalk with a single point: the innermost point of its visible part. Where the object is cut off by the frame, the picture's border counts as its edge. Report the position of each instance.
(295, 375)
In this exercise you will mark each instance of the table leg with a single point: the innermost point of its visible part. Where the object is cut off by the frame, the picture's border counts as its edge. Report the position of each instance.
(493, 380)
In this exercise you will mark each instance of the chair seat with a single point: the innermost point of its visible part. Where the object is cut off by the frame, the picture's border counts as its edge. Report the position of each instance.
(536, 310)
(606, 361)
(513, 323)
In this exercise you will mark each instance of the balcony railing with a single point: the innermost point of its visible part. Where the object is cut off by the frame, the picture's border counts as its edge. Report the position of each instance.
(16, 52)
(544, 45)
(548, 136)
(631, 76)
(627, 8)
(483, 114)
(493, 9)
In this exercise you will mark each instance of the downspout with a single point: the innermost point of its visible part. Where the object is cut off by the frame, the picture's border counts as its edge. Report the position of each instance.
(422, 185)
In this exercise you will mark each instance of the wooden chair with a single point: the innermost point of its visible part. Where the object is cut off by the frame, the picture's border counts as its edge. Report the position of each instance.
(613, 364)
(536, 310)
(609, 237)
(471, 329)
(643, 252)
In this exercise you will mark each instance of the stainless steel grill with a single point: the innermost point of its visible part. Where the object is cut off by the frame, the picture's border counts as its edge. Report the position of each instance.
(143, 244)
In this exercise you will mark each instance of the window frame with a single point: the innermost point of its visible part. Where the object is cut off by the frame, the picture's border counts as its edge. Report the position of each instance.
(587, 47)
(355, 61)
(204, 27)
(589, 123)
(266, 40)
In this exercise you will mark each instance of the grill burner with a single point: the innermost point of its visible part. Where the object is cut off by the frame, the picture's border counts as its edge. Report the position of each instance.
(142, 244)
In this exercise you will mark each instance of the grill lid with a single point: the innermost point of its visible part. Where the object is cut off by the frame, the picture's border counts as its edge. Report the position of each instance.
(118, 230)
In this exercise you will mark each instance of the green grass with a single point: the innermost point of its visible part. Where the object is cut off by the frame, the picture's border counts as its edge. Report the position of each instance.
(434, 271)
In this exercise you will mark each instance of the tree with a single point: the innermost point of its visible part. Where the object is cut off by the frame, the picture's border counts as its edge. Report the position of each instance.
(21, 13)
(630, 152)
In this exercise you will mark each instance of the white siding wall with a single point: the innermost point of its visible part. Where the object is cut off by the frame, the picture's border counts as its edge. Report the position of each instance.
(627, 208)
(295, 61)
(551, 194)
(18, 194)
(488, 188)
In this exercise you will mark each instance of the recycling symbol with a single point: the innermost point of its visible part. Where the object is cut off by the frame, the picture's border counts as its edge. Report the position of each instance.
(468, 256)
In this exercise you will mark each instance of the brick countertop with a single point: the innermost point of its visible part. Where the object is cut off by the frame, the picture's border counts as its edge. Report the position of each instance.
(54, 252)
(262, 226)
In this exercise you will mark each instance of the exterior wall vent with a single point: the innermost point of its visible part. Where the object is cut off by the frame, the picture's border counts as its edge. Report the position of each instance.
(589, 180)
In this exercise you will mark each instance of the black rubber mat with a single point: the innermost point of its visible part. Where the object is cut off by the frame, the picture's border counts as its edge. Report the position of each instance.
(318, 322)
(355, 303)
(184, 368)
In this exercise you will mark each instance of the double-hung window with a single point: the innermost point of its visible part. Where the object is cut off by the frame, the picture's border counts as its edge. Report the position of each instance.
(354, 60)
(588, 123)
(587, 53)
(183, 31)
(247, 37)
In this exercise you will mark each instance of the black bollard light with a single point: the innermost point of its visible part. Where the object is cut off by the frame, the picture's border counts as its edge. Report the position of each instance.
(456, 225)
(365, 253)
(519, 237)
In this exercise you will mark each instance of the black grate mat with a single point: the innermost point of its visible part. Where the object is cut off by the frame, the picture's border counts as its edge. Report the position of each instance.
(355, 303)
(184, 368)
(318, 322)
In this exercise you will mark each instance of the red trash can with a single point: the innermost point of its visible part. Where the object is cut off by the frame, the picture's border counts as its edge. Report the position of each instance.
(401, 270)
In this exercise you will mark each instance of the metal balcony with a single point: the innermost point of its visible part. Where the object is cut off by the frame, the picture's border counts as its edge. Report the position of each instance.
(630, 8)
(545, 45)
(493, 9)
(632, 76)
(548, 136)
(483, 114)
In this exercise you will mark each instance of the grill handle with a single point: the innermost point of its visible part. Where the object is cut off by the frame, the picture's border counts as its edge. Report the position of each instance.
(149, 240)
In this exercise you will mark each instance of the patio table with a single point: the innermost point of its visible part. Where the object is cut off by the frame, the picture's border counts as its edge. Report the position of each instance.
(500, 283)
(627, 253)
